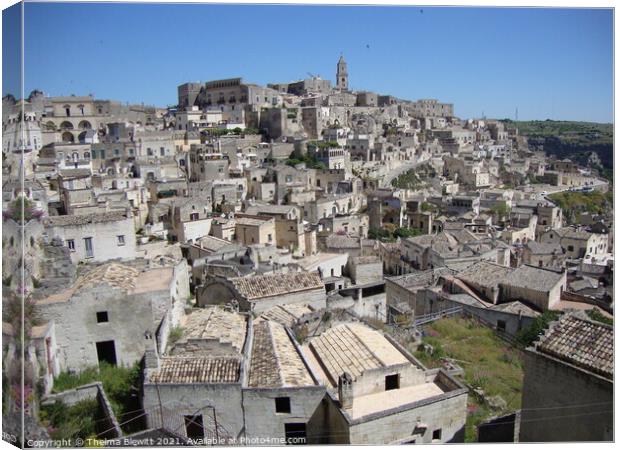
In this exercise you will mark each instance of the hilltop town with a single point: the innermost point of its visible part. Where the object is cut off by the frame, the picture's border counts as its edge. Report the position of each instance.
(290, 263)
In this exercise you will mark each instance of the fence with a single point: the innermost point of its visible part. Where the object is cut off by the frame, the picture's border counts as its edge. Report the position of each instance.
(204, 420)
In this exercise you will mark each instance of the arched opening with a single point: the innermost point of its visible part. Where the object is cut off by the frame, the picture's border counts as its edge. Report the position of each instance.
(85, 125)
(50, 126)
(86, 155)
(68, 137)
(66, 125)
(82, 137)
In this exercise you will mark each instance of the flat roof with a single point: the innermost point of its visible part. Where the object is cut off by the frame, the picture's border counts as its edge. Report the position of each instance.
(381, 401)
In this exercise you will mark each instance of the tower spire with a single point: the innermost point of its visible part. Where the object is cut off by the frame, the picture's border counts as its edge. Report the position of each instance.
(342, 76)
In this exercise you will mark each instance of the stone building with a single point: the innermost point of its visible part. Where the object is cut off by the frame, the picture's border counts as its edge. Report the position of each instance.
(576, 243)
(377, 393)
(568, 383)
(260, 292)
(114, 312)
(250, 229)
(95, 237)
(342, 75)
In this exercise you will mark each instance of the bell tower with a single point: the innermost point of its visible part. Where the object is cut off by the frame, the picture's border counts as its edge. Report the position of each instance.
(342, 76)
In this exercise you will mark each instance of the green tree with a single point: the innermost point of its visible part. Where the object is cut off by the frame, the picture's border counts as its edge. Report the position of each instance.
(528, 335)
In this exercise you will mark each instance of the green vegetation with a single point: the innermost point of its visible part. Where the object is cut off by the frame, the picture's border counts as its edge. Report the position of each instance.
(175, 334)
(428, 207)
(323, 144)
(72, 422)
(573, 203)
(22, 211)
(488, 362)
(595, 314)
(528, 335)
(586, 132)
(573, 140)
(390, 232)
(407, 180)
(237, 131)
(501, 210)
(311, 161)
(120, 384)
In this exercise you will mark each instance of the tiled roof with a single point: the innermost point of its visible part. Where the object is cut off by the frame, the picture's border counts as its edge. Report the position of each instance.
(421, 278)
(260, 286)
(571, 233)
(580, 342)
(116, 275)
(539, 248)
(341, 241)
(286, 315)
(353, 348)
(485, 273)
(177, 369)
(85, 219)
(535, 278)
(275, 361)
(214, 323)
(516, 307)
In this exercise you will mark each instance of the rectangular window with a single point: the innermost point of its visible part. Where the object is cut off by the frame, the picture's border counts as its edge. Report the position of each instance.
(71, 244)
(269, 238)
(501, 325)
(571, 248)
(102, 316)
(88, 244)
(392, 382)
(283, 405)
(162, 151)
(193, 216)
(120, 240)
(437, 435)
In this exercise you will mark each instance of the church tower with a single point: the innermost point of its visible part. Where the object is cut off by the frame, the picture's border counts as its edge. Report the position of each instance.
(342, 77)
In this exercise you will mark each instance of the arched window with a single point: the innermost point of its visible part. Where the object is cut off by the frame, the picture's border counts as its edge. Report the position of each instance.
(68, 137)
(82, 137)
(85, 125)
(66, 125)
(67, 109)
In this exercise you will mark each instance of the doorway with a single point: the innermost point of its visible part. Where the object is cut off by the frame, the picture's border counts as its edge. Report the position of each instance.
(106, 352)
(194, 428)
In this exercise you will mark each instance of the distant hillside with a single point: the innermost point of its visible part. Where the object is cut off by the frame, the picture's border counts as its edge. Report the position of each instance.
(574, 140)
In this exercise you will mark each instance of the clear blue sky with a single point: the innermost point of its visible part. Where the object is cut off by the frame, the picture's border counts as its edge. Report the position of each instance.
(550, 63)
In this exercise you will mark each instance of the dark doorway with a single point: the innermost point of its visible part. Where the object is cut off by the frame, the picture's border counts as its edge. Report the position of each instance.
(194, 428)
(295, 433)
(106, 352)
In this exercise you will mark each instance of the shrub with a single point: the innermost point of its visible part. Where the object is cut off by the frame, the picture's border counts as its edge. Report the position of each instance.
(528, 335)
(71, 422)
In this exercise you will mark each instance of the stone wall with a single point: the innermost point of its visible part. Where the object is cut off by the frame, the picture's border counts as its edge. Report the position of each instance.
(563, 403)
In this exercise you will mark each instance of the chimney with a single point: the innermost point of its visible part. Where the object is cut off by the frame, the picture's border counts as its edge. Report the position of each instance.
(345, 390)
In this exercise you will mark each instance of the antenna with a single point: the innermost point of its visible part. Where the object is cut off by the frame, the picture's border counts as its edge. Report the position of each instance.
(517, 114)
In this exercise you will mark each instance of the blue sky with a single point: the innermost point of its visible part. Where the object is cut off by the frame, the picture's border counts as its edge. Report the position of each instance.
(550, 63)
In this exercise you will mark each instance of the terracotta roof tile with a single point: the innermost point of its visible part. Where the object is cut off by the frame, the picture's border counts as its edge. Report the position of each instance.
(581, 342)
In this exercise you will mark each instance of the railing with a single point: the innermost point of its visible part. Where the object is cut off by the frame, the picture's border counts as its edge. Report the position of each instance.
(427, 318)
